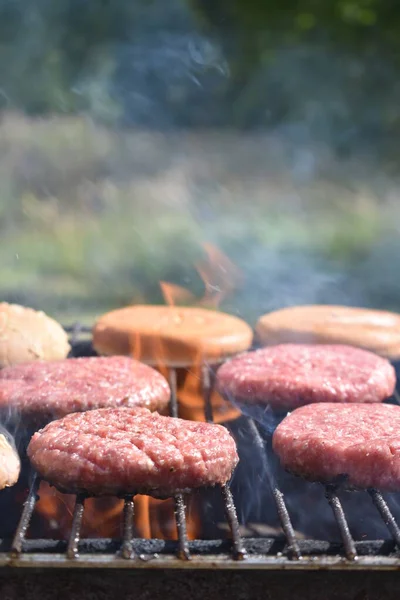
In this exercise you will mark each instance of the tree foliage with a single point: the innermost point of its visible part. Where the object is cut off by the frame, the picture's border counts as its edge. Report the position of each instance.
(236, 63)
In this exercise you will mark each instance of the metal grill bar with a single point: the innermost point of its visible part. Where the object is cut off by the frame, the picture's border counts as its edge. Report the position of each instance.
(180, 516)
(207, 388)
(129, 512)
(174, 393)
(75, 535)
(337, 508)
(283, 513)
(130, 547)
(229, 506)
(239, 551)
(386, 515)
(29, 505)
(292, 544)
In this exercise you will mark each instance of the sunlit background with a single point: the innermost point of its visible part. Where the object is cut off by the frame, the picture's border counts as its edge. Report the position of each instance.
(131, 133)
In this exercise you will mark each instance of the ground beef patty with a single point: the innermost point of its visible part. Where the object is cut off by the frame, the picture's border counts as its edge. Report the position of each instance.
(322, 442)
(290, 375)
(123, 450)
(53, 389)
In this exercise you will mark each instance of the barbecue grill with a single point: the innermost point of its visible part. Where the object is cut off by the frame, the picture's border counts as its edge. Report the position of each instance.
(246, 567)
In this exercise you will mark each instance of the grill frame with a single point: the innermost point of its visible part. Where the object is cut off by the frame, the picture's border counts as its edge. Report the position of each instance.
(222, 560)
(269, 554)
(223, 585)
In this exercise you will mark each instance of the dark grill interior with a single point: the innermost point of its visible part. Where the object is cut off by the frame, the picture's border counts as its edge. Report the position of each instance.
(287, 551)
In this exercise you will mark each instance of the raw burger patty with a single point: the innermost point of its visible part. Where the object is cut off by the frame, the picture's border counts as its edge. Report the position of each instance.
(10, 465)
(321, 442)
(54, 389)
(290, 375)
(123, 450)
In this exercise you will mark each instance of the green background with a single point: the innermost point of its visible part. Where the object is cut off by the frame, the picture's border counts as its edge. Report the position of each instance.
(131, 133)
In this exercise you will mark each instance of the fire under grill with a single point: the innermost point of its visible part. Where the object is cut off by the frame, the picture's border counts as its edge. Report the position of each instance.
(235, 553)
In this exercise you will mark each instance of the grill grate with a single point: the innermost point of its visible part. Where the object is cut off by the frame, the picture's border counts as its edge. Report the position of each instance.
(233, 553)
(126, 551)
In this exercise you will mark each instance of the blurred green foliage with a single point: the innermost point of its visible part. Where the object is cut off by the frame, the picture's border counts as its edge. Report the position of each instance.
(91, 219)
(204, 62)
(93, 213)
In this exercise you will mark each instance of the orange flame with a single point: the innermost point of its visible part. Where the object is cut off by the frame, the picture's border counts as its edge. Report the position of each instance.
(154, 518)
(102, 517)
(162, 519)
(175, 295)
(220, 277)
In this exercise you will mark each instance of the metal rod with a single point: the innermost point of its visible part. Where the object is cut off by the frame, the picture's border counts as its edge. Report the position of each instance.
(386, 515)
(129, 512)
(174, 393)
(239, 551)
(292, 544)
(283, 513)
(29, 505)
(207, 389)
(337, 508)
(180, 516)
(74, 537)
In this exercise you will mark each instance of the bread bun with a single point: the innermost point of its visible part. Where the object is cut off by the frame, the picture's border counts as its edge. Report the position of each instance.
(374, 330)
(170, 335)
(27, 335)
(10, 465)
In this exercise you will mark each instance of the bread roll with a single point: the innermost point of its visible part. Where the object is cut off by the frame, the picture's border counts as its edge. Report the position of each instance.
(27, 335)
(10, 465)
(374, 330)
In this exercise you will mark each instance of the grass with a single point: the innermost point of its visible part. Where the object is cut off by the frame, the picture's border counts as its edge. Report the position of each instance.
(91, 219)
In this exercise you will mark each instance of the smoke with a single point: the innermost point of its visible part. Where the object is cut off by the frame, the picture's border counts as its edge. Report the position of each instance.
(166, 78)
(14, 429)
(253, 195)
(281, 201)
(259, 473)
(9, 437)
(280, 277)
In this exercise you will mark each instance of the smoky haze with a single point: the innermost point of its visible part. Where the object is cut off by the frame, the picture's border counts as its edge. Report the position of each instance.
(277, 148)
(132, 133)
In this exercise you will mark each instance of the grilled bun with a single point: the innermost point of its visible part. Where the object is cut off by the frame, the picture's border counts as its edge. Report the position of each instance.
(27, 335)
(374, 330)
(171, 335)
